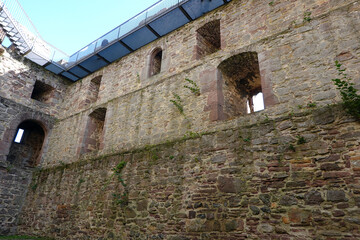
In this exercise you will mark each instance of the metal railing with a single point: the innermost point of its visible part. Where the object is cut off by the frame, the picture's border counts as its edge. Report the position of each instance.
(43, 49)
(22, 29)
(139, 20)
(42, 52)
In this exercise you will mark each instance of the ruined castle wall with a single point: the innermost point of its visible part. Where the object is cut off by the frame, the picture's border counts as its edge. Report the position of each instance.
(296, 61)
(15, 175)
(17, 80)
(277, 32)
(295, 177)
(288, 172)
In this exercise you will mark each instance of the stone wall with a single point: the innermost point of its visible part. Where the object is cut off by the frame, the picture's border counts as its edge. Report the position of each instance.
(294, 177)
(296, 64)
(17, 161)
(290, 171)
(17, 80)
(15, 173)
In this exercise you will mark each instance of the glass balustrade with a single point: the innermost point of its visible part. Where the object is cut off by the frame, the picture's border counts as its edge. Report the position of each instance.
(162, 17)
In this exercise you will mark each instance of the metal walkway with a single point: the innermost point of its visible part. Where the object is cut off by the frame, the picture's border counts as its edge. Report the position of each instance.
(156, 21)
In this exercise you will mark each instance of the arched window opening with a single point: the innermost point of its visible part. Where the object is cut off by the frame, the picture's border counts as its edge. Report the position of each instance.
(27, 146)
(94, 132)
(155, 62)
(242, 84)
(208, 39)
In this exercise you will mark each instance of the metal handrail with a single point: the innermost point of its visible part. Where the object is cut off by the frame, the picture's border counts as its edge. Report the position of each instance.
(7, 9)
(27, 30)
(74, 58)
(39, 46)
(50, 54)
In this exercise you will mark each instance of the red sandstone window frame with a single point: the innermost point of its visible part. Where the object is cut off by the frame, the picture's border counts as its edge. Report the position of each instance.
(155, 62)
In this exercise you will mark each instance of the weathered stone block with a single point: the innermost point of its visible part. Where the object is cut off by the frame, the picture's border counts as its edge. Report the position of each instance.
(255, 210)
(313, 198)
(265, 198)
(330, 167)
(297, 215)
(265, 228)
(336, 196)
(288, 200)
(231, 185)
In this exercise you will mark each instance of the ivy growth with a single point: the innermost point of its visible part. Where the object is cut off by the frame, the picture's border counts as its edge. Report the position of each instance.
(120, 198)
(177, 103)
(193, 88)
(350, 98)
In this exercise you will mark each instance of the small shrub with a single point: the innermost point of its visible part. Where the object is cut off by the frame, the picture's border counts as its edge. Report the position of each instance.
(9, 167)
(300, 140)
(311, 105)
(191, 135)
(34, 187)
(291, 147)
(307, 16)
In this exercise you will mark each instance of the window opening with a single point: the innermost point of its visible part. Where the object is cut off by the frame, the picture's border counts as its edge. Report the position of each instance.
(19, 135)
(242, 84)
(93, 139)
(208, 39)
(94, 89)
(42, 92)
(155, 64)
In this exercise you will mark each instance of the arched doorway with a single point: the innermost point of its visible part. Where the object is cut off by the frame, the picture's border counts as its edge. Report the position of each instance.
(26, 147)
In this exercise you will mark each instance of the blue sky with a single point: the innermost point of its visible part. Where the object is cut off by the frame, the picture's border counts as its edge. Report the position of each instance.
(72, 24)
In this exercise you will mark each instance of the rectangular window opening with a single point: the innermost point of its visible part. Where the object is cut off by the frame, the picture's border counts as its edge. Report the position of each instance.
(208, 39)
(242, 85)
(42, 92)
(94, 134)
(19, 135)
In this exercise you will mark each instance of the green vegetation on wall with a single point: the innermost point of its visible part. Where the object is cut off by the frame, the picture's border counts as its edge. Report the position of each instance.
(349, 96)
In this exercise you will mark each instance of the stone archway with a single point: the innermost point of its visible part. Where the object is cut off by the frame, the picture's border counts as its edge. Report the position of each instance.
(25, 150)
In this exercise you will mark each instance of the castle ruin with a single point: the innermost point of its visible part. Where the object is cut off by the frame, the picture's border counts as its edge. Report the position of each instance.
(164, 139)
